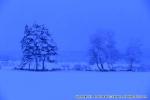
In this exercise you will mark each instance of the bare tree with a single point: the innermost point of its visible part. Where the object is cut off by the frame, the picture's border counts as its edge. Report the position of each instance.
(133, 53)
(103, 50)
(112, 53)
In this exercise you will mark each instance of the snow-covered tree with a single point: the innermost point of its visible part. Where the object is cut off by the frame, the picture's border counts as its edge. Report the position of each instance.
(37, 45)
(47, 46)
(27, 46)
(133, 53)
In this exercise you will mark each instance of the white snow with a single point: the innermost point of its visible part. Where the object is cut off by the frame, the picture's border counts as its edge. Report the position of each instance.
(24, 85)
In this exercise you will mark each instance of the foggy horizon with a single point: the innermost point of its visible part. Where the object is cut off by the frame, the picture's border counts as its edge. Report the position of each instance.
(73, 22)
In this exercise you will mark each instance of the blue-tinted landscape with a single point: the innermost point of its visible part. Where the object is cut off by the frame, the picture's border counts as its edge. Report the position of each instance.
(58, 49)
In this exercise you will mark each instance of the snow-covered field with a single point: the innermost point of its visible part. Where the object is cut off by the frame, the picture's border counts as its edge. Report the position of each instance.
(65, 85)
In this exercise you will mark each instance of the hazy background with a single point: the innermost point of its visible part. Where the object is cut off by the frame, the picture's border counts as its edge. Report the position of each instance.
(72, 22)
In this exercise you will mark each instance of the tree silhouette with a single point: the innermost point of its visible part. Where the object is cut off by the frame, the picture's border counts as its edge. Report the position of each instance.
(47, 46)
(27, 46)
(112, 53)
(37, 45)
(133, 53)
(97, 50)
(103, 50)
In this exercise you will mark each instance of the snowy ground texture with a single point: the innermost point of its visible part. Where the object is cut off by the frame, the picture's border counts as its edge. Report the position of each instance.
(65, 85)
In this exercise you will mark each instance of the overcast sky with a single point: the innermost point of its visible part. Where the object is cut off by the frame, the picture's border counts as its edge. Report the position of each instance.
(73, 21)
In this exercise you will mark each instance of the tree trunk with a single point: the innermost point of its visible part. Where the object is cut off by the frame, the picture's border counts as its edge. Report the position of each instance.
(23, 64)
(29, 65)
(43, 64)
(36, 63)
(102, 66)
(98, 66)
(100, 60)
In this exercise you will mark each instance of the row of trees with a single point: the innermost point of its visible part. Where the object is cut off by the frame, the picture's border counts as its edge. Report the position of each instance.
(37, 46)
(103, 50)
